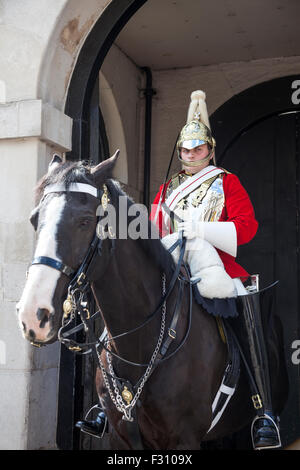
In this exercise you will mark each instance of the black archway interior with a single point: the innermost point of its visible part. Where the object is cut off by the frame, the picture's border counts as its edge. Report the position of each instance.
(257, 134)
(245, 109)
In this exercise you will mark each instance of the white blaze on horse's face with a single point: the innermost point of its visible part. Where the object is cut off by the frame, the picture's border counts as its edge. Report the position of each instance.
(36, 303)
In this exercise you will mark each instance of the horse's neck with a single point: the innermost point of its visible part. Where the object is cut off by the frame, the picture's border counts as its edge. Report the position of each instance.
(128, 293)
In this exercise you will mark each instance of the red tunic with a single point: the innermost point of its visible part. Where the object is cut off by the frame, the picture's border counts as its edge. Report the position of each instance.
(237, 209)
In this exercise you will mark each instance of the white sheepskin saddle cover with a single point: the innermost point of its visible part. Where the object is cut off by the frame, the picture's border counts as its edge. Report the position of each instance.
(204, 263)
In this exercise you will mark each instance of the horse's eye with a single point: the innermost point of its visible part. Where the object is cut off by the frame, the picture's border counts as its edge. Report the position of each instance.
(85, 223)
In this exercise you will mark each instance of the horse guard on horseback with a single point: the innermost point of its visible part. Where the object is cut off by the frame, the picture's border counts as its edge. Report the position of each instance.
(201, 214)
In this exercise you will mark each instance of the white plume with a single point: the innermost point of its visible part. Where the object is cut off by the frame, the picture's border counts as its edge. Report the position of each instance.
(198, 105)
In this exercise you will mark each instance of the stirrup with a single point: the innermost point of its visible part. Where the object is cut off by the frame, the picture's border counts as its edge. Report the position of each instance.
(84, 424)
(276, 428)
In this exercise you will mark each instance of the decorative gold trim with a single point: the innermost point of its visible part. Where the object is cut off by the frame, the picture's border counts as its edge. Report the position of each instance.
(200, 193)
(67, 306)
(172, 333)
(196, 130)
(36, 345)
(74, 348)
(80, 279)
(257, 403)
(105, 199)
(88, 315)
(127, 395)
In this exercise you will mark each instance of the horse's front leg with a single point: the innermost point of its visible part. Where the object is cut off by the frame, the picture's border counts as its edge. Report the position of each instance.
(116, 425)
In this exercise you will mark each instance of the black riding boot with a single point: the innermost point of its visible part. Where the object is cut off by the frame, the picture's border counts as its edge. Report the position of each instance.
(95, 427)
(264, 430)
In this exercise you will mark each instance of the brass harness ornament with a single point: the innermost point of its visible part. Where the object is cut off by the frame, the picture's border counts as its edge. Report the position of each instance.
(100, 229)
(68, 306)
(105, 199)
(127, 395)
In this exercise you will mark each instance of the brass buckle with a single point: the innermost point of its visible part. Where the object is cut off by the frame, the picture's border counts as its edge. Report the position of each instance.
(88, 315)
(36, 345)
(80, 279)
(172, 333)
(257, 403)
(74, 348)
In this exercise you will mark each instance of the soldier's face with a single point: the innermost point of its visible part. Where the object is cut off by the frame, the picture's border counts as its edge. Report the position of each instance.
(194, 155)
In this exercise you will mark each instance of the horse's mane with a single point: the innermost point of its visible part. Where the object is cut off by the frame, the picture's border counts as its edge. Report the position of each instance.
(80, 172)
(152, 246)
(66, 173)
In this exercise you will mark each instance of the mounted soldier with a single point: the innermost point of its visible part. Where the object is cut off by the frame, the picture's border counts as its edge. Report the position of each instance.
(210, 207)
(215, 207)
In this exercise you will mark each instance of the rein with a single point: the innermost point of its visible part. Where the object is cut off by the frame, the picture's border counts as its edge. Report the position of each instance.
(80, 285)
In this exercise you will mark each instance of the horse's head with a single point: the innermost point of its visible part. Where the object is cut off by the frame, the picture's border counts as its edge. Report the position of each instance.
(65, 222)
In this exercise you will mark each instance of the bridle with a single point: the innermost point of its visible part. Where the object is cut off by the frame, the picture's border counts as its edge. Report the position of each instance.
(73, 187)
(78, 302)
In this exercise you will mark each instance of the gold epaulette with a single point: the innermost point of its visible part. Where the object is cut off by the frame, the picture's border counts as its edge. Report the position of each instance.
(175, 181)
(225, 171)
(175, 175)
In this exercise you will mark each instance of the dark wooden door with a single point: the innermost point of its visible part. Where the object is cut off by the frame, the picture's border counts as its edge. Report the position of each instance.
(266, 159)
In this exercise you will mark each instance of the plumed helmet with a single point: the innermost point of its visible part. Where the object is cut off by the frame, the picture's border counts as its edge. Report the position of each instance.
(197, 129)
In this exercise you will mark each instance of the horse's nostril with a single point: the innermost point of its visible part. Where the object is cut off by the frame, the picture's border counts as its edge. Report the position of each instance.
(24, 327)
(43, 316)
(31, 335)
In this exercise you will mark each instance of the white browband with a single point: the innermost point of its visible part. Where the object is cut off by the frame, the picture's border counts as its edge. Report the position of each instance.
(73, 187)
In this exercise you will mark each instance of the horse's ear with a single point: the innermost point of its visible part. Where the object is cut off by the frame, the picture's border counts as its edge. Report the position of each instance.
(105, 169)
(34, 217)
(56, 160)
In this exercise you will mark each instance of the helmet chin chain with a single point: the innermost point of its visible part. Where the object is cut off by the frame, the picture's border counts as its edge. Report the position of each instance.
(199, 162)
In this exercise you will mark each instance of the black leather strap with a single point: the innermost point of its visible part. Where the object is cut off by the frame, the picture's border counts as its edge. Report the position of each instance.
(133, 431)
(171, 213)
(54, 263)
(172, 329)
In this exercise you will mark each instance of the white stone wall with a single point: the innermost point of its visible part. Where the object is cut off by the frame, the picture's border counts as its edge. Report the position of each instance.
(39, 43)
(28, 377)
(24, 372)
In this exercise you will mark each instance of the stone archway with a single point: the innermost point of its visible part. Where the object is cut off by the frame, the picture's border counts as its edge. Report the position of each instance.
(69, 74)
(114, 127)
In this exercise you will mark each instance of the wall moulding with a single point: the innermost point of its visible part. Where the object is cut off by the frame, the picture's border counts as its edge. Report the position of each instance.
(33, 118)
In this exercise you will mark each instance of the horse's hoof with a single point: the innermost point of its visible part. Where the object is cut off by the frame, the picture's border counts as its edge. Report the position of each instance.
(266, 434)
(96, 427)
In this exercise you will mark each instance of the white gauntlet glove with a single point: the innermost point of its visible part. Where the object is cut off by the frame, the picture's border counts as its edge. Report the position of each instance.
(221, 235)
(192, 228)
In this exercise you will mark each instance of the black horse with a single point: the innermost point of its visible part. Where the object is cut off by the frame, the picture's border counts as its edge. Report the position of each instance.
(129, 280)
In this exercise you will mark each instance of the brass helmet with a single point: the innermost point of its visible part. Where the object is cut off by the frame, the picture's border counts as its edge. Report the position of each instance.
(197, 129)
